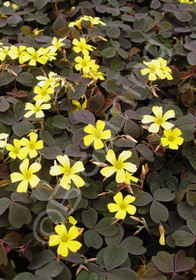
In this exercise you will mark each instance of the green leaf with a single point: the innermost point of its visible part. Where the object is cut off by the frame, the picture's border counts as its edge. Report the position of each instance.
(96, 103)
(25, 78)
(134, 245)
(116, 239)
(183, 16)
(164, 195)
(82, 116)
(3, 255)
(106, 228)
(89, 217)
(122, 274)
(113, 32)
(109, 52)
(191, 194)
(114, 256)
(137, 37)
(183, 263)
(60, 122)
(22, 128)
(4, 105)
(41, 194)
(14, 20)
(142, 199)
(158, 212)
(84, 275)
(191, 57)
(52, 269)
(24, 276)
(56, 212)
(7, 118)
(131, 128)
(19, 110)
(77, 91)
(192, 226)
(145, 152)
(186, 211)
(193, 161)
(91, 191)
(19, 215)
(5, 79)
(47, 138)
(39, 4)
(93, 239)
(183, 238)
(51, 152)
(41, 258)
(164, 262)
(4, 204)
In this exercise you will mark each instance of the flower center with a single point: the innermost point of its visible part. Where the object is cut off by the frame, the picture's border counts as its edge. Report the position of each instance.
(27, 175)
(119, 165)
(16, 151)
(170, 138)
(153, 68)
(159, 121)
(37, 109)
(31, 146)
(123, 206)
(64, 238)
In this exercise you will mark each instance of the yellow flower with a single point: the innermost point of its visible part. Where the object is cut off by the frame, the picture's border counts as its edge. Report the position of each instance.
(26, 176)
(6, 4)
(96, 135)
(36, 109)
(119, 166)
(94, 73)
(93, 20)
(81, 46)
(166, 71)
(129, 177)
(17, 52)
(3, 139)
(34, 56)
(36, 31)
(72, 220)
(49, 53)
(64, 239)
(43, 93)
(4, 52)
(57, 44)
(153, 68)
(84, 63)
(15, 150)
(172, 138)
(186, 1)
(78, 105)
(14, 6)
(122, 206)
(162, 235)
(32, 145)
(157, 68)
(159, 120)
(69, 173)
(76, 23)
(52, 80)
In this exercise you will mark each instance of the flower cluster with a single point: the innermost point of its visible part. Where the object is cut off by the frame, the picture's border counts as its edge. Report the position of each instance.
(172, 137)
(157, 68)
(93, 21)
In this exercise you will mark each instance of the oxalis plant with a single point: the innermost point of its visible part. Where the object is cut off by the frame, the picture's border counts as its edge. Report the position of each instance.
(97, 140)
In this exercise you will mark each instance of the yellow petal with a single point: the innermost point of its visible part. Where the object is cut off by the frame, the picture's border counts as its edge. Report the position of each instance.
(111, 157)
(34, 181)
(22, 186)
(73, 233)
(77, 167)
(88, 139)
(106, 134)
(78, 181)
(64, 160)
(167, 125)
(74, 246)
(54, 240)
(16, 176)
(24, 165)
(62, 250)
(35, 167)
(118, 198)
(120, 176)
(169, 115)
(124, 156)
(90, 129)
(61, 230)
(100, 126)
(112, 207)
(56, 170)
(148, 119)
(158, 111)
(121, 214)
(131, 209)
(130, 167)
(33, 137)
(129, 199)
(108, 171)
(154, 128)
(98, 144)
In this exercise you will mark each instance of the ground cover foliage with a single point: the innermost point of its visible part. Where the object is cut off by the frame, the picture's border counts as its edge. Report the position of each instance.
(97, 140)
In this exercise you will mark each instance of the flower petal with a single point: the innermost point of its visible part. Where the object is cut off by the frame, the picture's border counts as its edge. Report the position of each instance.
(56, 170)
(22, 186)
(158, 111)
(121, 214)
(77, 167)
(131, 209)
(111, 157)
(34, 181)
(148, 119)
(16, 176)
(108, 171)
(124, 156)
(130, 167)
(73, 233)
(78, 181)
(112, 207)
(74, 246)
(88, 139)
(129, 199)
(169, 115)
(118, 198)
(54, 240)
(120, 176)
(100, 126)
(24, 165)
(98, 144)
(63, 250)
